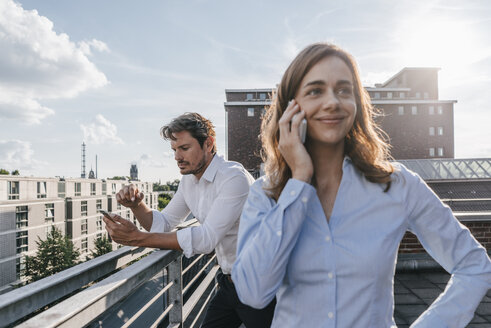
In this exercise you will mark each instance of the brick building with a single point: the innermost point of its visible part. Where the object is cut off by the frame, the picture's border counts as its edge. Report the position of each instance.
(418, 123)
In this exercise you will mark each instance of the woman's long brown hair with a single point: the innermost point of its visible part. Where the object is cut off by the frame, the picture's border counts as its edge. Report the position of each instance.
(364, 144)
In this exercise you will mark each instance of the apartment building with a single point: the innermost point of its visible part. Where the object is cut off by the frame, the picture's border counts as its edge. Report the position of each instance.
(30, 206)
(419, 124)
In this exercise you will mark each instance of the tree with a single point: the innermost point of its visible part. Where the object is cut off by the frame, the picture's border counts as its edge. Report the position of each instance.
(4, 172)
(173, 185)
(164, 199)
(54, 254)
(119, 178)
(102, 246)
(15, 172)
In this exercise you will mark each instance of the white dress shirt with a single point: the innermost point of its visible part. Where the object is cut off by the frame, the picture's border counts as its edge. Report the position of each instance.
(216, 200)
(340, 273)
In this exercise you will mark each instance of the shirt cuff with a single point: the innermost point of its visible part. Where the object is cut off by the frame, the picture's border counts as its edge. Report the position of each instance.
(185, 241)
(157, 222)
(292, 191)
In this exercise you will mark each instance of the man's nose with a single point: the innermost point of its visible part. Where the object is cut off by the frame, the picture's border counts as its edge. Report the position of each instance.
(177, 156)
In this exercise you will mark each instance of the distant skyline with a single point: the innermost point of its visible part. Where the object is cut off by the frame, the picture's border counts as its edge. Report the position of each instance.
(111, 73)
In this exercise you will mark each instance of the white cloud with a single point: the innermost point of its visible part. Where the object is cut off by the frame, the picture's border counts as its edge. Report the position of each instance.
(17, 154)
(101, 130)
(148, 161)
(87, 46)
(37, 63)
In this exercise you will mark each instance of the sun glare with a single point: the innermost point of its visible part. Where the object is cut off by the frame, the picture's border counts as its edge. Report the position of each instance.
(437, 42)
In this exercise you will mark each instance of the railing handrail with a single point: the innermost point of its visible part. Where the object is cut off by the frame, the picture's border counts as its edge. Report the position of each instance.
(27, 299)
(83, 307)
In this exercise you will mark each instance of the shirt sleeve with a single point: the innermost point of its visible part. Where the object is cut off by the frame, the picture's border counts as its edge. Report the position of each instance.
(267, 234)
(452, 245)
(222, 216)
(173, 214)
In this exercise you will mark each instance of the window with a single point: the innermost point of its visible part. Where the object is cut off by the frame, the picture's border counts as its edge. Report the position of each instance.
(118, 205)
(113, 188)
(61, 189)
(431, 110)
(78, 189)
(414, 110)
(250, 111)
(426, 95)
(83, 208)
(98, 204)
(41, 189)
(84, 227)
(128, 215)
(98, 222)
(440, 130)
(262, 96)
(22, 242)
(376, 95)
(84, 245)
(432, 131)
(402, 95)
(389, 95)
(104, 188)
(440, 110)
(432, 152)
(20, 267)
(249, 96)
(401, 110)
(440, 151)
(13, 189)
(49, 212)
(92, 189)
(21, 216)
(418, 95)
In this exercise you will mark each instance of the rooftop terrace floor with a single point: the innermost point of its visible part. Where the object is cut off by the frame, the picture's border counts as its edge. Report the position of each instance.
(415, 291)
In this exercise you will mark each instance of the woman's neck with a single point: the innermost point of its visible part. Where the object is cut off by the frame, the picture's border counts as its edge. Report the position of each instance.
(328, 163)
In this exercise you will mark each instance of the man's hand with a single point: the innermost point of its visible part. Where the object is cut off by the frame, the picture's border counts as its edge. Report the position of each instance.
(123, 231)
(129, 196)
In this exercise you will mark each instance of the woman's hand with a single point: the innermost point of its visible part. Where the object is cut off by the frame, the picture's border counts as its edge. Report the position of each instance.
(290, 145)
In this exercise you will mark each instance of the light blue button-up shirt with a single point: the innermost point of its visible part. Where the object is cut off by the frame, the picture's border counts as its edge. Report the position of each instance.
(340, 273)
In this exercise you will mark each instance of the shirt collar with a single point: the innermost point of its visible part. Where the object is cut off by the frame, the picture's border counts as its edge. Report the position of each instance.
(212, 169)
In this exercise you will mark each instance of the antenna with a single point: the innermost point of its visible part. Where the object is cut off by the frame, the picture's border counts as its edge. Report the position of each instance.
(96, 166)
(83, 161)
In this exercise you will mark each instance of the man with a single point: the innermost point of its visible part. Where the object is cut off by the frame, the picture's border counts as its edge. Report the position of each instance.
(214, 190)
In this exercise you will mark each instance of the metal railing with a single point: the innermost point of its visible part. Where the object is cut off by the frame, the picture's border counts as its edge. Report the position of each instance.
(78, 296)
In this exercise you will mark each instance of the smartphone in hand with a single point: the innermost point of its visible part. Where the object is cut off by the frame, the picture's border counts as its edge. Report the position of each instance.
(107, 215)
(302, 128)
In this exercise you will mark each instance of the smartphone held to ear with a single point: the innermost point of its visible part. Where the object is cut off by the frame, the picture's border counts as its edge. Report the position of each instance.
(302, 130)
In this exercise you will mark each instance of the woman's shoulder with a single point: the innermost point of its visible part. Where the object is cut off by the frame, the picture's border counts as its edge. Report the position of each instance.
(403, 176)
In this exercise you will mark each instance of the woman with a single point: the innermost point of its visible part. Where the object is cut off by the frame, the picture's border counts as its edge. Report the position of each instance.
(321, 230)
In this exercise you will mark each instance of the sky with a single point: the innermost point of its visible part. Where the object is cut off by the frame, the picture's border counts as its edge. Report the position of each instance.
(111, 73)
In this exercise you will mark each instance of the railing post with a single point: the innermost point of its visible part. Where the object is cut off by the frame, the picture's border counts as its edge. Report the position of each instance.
(174, 271)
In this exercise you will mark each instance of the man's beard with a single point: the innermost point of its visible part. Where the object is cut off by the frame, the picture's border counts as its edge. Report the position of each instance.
(199, 168)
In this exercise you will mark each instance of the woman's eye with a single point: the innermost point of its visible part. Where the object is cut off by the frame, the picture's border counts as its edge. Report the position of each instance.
(345, 91)
(314, 92)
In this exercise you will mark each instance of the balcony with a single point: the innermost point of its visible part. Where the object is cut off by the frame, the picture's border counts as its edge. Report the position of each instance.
(129, 287)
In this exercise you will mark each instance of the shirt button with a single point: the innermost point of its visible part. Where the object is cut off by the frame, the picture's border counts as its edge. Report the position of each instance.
(328, 238)
(330, 315)
(278, 233)
(305, 200)
(330, 275)
(292, 193)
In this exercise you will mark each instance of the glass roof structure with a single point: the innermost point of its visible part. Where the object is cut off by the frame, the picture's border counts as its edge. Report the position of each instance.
(450, 169)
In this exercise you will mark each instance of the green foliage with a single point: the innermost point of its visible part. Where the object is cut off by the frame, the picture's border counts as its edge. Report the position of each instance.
(102, 246)
(169, 185)
(4, 172)
(119, 178)
(164, 199)
(15, 172)
(54, 254)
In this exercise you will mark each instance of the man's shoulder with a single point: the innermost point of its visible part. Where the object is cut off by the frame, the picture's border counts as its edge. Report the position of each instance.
(229, 169)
